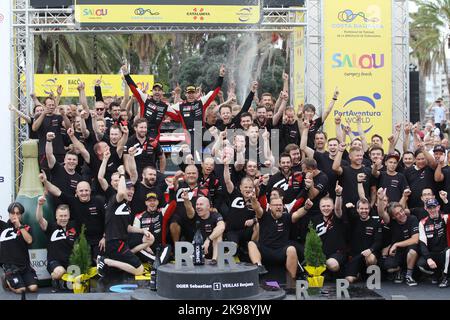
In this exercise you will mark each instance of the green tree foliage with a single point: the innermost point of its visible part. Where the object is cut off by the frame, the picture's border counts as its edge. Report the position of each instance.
(314, 255)
(81, 253)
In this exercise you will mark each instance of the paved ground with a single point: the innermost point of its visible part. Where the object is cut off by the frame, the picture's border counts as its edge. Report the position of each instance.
(388, 291)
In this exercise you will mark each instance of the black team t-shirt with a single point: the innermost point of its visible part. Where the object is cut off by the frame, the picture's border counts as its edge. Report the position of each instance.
(239, 212)
(53, 123)
(118, 217)
(332, 234)
(325, 164)
(402, 232)
(60, 241)
(66, 182)
(364, 234)
(13, 248)
(350, 183)
(91, 214)
(395, 185)
(419, 180)
(274, 233)
(207, 225)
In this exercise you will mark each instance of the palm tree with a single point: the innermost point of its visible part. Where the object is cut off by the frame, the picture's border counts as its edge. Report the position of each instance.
(429, 36)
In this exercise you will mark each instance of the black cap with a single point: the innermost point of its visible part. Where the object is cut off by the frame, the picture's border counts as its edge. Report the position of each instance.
(439, 148)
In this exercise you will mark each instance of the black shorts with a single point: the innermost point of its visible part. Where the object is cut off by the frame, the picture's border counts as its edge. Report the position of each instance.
(273, 256)
(22, 278)
(118, 250)
(339, 257)
(187, 226)
(53, 264)
(240, 237)
(134, 239)
(399, 259)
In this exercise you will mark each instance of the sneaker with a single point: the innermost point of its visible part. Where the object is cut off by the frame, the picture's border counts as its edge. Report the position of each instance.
(435, 278)
(261, 269)
(410, 281)
(101, 266)
(212, 262)
(430, 272)
(444, 283)
(398, 278)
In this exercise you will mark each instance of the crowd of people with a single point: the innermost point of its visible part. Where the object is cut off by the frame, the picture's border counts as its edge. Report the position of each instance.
(257, 174)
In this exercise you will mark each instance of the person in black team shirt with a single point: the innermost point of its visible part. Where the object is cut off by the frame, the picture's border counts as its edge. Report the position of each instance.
(64, 177)
(150, 219)
(435, 254)
(442, 173)
(180, 225)
(420, 176)
(289, 130)
(405, 239)
(394, 182)
(240, 220)
(148, 150)
(49, 121)
(349, 173)
(117, 226)
(152, 108)
(365, 240)
(330, 228)
(274, 246)
(211, 224)
(86, 210)
(14, 241)
(61, 237)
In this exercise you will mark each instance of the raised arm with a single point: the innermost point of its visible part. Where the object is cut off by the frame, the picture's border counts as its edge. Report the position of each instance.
(39, 214)
(226, 175)
(77, 144)
(190, 212)
(84, 130)
(20, 113)
(296, 215)
(361, 133)
(122, 187)
(338, 158)
(279, 114)
(394, 138)
(256, 206)
(381, 194)
(339, 132)
(51, 160)
(123, 140)
(54, 190)
(38, 122)
(361, 178)
(102, 170)
(82, 96)
(338, 203)
(327, 112)
(406, 139)
(304, 141)
(126, 97)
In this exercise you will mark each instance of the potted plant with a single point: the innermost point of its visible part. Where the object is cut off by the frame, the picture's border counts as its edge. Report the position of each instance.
(315, 258)
(80, 271)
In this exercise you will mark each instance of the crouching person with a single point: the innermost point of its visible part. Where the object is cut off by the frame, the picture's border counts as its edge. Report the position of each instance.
(61, 238)
(404, 247)
(14, 241)
(118, 253)
(274, 246)
(211, 224)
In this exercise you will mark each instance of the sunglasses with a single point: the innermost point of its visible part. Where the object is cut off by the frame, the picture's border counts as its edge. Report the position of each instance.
(100, 109)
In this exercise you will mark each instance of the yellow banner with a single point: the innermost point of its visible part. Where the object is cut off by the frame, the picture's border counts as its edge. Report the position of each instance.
(167, 14)
(358, 60)
(111, 84)
(299, 62)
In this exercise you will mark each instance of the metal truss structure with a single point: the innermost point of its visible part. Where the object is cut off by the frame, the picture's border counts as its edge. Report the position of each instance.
(400, 62)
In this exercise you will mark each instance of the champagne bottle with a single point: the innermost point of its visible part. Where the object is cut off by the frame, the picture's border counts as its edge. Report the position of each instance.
(154, 272)
(199, 258)
(30, 190)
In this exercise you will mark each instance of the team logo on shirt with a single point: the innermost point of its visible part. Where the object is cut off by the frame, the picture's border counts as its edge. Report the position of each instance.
(8, 234)
(180, 191)
(281, 184)
(238, 203)
(122, 210)
(321, 229)
(58, 235)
